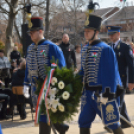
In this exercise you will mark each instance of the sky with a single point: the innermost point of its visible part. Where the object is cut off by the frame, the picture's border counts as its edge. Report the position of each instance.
(110, 3)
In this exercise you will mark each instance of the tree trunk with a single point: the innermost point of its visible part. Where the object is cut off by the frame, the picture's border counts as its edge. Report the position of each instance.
(9, 31)
(47, 19)
(75, 8)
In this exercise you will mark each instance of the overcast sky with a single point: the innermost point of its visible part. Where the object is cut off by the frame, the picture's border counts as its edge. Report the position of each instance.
(110, 3)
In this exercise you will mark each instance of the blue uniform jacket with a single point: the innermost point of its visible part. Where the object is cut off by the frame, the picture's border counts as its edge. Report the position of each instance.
(37, 57)
(100, 67)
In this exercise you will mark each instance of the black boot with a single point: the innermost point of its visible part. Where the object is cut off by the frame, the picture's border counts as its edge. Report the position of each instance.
(84, 130)
(61, 128)
(44, 128)
(108, 130)
(118, 131)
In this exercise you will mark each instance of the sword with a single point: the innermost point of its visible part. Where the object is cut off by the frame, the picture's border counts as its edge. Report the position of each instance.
(128, 122)
(53, 128)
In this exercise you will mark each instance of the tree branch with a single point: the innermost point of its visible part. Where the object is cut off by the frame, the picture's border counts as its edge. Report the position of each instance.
(9, 4)
(37, 5)
(4, 10)
(18, 10)
(16, 28)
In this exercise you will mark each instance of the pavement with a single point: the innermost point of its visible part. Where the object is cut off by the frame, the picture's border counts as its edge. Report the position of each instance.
(27, 126)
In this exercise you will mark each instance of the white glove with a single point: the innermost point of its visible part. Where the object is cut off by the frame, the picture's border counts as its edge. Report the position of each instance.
(26, 91)
(103, 100)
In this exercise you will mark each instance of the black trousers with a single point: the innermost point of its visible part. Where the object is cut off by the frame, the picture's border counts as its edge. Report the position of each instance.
(123, 109)
(4, 103)
(21, 109)
(44, 128)
(9, 93)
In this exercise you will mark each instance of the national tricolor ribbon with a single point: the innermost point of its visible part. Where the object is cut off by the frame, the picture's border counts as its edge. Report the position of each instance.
(94, 54)
(122, 0)
(43, 95)
(43, 52)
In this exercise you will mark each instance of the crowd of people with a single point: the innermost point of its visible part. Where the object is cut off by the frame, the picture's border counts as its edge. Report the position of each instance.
(12, 74)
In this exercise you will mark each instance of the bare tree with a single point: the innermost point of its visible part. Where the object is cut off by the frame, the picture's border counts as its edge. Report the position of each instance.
(69, 18)
(11, 8)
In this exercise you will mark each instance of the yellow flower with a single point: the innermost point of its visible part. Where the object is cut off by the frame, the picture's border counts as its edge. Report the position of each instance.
(61, 85)
(54, 80)
(54, 110)
(65, 95)
(61, 107)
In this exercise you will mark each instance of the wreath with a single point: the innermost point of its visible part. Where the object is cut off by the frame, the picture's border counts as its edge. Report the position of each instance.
(63, 98)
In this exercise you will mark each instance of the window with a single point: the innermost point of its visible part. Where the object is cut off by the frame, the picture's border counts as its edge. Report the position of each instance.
(123, 22)
(72, 29)
(130, 21)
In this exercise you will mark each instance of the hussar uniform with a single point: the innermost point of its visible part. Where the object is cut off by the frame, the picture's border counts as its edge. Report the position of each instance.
(38, 56)
(101, 80)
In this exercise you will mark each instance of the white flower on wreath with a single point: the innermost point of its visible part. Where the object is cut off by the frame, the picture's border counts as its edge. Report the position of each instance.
(52, 97)
(65, 95)
(54, 110)
(61, 107)
(54, 81)
(55, 103)
(48, 106)
(52, 92)
(48, 103)
(52, 102)
(61, 85)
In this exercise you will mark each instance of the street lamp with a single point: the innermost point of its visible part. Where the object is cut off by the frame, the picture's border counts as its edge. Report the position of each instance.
(26, 40)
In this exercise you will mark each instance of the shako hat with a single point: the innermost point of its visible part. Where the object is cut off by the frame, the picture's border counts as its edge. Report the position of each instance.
(93, 22)
(37, 24)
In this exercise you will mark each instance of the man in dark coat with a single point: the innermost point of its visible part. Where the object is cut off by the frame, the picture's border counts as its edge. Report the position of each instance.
(68, 51)
(15, 55)
(124, 56)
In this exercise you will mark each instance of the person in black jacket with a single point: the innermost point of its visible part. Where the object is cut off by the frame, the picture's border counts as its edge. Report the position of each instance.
(15, 55)
(124, 57)
(68, 51)
(18, 80)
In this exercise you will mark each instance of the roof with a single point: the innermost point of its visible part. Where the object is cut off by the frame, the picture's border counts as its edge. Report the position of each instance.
(125, 13)
(80, 16)
(102, 11)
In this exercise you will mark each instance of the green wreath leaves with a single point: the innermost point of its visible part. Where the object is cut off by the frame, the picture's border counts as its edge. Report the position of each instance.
(68, 97)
